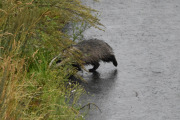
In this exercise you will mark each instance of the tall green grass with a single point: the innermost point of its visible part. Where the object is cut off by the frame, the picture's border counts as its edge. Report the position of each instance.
(31, 34)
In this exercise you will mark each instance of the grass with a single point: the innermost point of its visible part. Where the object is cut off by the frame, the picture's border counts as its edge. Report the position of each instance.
(31, 34)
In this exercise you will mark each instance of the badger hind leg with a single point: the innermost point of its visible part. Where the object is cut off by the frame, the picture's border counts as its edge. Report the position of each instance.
(95, 66)
(110, 58)
(113, 59)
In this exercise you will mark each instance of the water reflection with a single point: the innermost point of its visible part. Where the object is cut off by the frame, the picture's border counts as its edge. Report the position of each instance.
(97, 83)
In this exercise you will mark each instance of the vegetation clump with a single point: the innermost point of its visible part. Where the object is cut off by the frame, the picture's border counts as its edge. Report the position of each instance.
(32, 32)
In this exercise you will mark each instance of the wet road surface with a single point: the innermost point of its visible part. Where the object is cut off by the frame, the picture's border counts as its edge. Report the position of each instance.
(145, 36)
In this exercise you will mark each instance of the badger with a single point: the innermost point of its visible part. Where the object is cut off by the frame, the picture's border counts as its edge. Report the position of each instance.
(93, 51)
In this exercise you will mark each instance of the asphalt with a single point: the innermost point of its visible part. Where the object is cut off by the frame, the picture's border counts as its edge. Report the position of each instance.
(145, 36)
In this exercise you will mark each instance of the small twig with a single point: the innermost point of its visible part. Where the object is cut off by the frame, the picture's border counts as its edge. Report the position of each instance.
(53, 60)
(89, 105)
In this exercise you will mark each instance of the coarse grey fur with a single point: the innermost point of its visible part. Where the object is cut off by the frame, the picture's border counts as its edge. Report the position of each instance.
(94, 51)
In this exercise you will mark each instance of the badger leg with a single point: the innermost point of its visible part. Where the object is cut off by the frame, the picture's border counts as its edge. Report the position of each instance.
(113, 59)
(95, 66)
(110, 58)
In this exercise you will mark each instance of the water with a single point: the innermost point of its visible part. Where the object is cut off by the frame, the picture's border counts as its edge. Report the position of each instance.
(145, 36)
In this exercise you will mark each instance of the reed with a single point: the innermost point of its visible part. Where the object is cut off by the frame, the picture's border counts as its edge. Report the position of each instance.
(31, 34)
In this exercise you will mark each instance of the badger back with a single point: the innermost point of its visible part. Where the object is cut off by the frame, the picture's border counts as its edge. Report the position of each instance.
(94, 50)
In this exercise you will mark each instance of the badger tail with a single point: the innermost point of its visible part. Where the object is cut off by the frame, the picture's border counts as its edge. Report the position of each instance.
(114, 61)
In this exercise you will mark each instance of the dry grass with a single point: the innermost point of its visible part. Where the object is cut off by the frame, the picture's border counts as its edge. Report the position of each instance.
(31, 34)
